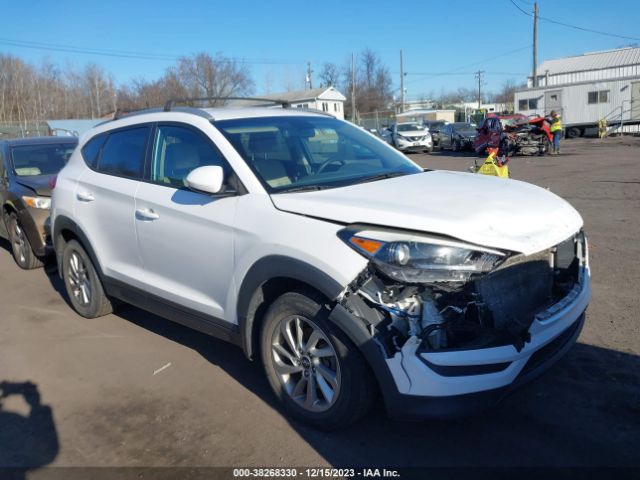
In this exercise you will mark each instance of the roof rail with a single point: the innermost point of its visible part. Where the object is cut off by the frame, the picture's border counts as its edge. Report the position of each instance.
(169, 105)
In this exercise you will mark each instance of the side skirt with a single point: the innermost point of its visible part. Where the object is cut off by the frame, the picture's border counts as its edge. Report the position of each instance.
(209, 325)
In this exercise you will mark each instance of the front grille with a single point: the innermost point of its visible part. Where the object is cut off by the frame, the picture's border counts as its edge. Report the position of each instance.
(524, 285)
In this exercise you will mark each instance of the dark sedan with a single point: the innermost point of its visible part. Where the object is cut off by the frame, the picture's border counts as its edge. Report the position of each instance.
(435, 127)
(27, 166)
(458, 136)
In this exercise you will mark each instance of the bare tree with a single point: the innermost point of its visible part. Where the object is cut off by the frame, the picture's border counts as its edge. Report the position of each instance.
(330, 75)
(205, 76)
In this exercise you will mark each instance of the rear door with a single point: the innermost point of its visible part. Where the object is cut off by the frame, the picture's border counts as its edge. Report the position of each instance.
(553, 101)
(185, 238)
(105, 203)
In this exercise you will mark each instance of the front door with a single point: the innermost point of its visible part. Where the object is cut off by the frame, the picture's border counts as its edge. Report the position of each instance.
(635, 101)
(553, 101)
(185, 238)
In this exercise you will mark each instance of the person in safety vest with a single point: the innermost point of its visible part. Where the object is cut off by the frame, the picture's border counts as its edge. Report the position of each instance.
(555, 128)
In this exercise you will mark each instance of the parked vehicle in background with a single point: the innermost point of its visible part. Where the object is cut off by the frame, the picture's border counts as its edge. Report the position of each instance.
(26, 168)
(341, 264)
(408, 137)
(458, 136)
(516, 135)
(435, 127)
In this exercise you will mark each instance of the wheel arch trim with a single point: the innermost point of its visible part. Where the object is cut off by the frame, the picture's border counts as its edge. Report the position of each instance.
(251, 296)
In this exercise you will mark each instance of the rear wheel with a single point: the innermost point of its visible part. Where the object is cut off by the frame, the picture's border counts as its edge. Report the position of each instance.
(573, 133)
(82, 283)
(315, 371)
(20, 246)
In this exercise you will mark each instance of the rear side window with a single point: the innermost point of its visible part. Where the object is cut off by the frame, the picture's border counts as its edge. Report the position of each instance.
(92, 148)
(123, 153)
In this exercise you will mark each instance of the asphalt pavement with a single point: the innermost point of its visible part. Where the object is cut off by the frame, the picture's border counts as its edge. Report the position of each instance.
(133, 389)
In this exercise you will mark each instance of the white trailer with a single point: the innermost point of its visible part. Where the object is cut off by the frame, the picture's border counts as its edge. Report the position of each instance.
(585, 89)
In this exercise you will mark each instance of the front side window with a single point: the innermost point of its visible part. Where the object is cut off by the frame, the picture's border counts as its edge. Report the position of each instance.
(179, 150)
(295, 153)
(123, 153)
(32, 160)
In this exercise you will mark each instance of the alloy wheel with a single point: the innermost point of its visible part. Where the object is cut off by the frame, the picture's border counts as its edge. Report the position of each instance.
(306, 363)
(19, 243)
(79, 279)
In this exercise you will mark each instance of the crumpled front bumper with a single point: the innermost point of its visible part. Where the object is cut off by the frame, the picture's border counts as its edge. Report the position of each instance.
(419, 385)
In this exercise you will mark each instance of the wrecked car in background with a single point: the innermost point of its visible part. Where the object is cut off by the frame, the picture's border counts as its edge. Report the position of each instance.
(515, 134)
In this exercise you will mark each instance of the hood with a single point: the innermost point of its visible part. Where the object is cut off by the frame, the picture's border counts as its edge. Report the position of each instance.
(37, 183)
(467, 133)
(413, 133)
(488, 211)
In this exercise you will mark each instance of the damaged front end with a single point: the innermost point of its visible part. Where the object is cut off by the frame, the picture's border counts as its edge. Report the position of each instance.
(447, 295)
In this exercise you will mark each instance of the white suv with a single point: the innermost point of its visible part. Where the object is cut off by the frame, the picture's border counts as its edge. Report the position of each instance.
(327, 254)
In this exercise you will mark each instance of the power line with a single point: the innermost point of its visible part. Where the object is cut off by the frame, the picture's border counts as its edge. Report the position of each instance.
(124, 54)
(576, 27)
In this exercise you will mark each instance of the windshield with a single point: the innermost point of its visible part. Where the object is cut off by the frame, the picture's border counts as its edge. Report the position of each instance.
(31, 160)
(464, 127)
(295, 153)
(409, 127)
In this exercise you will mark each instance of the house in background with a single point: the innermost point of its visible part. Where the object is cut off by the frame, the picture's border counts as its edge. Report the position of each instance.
(325, 99)
(587, 88)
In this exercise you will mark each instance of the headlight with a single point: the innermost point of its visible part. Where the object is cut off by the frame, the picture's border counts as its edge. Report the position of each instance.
(412, 258)
(38, 202)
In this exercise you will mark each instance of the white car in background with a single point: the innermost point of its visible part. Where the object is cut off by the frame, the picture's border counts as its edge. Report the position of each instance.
(409, 137)
(314, 246)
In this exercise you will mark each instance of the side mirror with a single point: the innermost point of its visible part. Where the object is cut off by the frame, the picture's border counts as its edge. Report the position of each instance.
(206, 179)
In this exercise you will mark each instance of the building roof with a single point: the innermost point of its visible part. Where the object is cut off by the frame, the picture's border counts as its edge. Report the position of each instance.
(302, 95)
(621, 57)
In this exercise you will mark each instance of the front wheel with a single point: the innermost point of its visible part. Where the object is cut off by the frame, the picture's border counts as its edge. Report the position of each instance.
(313, 368)
(20, 247)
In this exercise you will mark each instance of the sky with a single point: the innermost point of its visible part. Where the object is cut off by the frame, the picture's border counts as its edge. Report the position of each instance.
(443, 42)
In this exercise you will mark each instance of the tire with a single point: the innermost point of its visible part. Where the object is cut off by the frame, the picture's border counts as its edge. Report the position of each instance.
(429, 150)
(333, 364)
(573, 133)
(20, 247)
(82, 283)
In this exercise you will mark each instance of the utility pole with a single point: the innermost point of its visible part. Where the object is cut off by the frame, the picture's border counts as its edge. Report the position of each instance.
(353, 88)
(309, 72)
(401, 83)
(479, 75)
(535, 44)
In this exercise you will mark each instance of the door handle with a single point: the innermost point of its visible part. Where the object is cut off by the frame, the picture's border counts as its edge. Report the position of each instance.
(146, 214)
(85, 197)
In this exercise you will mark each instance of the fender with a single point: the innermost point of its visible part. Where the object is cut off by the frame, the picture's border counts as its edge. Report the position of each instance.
(63, 222)
(250, 294)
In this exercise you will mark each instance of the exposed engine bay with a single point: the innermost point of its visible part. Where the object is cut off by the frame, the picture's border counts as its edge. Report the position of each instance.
(488, 310)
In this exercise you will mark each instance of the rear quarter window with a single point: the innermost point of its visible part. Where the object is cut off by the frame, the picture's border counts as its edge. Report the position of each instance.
(91, 149)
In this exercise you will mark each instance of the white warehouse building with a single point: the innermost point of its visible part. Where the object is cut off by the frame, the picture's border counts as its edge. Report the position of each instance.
(585, 89)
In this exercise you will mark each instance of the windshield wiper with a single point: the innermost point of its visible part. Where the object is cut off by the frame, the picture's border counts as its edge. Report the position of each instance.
(306, 188)
(381, 176)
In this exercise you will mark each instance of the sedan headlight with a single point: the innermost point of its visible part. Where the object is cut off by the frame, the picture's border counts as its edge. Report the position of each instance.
(43, 203)
(411, 258)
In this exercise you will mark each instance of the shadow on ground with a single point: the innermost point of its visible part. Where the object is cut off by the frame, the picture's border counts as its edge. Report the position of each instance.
(28, 436)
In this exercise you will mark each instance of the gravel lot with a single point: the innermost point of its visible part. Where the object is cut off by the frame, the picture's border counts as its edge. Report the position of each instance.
(107, 400)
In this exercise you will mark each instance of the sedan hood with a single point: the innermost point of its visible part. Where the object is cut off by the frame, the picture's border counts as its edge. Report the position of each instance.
(488, 211)
(37, 183)
(413, 133)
